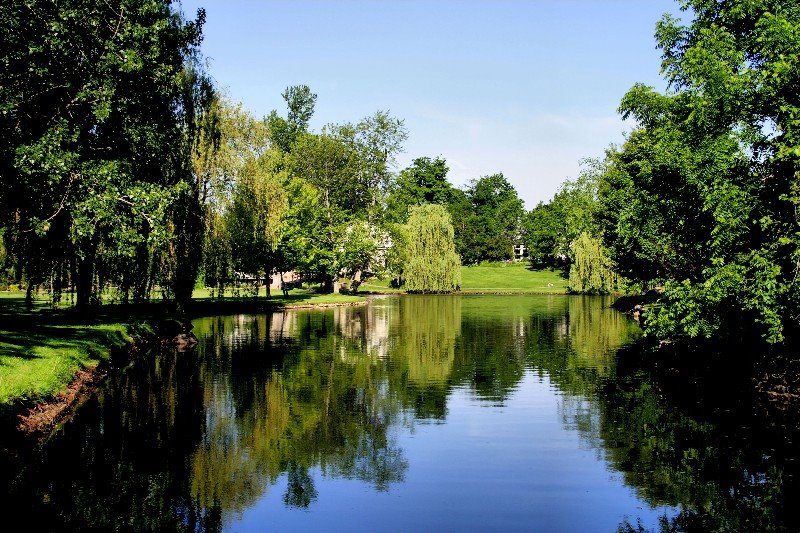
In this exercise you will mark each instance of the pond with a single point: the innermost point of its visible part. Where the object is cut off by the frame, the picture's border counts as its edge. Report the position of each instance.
(413, 413)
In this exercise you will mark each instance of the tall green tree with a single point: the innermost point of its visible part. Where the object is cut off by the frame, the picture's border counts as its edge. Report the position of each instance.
(300, 102)
(100, 106)
(229, 161)
(332, 169)
(432, 263)
(493, 223)
(424, 181)
(703, 196)
(377, 140)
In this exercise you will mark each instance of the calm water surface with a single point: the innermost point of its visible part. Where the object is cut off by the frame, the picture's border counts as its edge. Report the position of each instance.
(412, 413)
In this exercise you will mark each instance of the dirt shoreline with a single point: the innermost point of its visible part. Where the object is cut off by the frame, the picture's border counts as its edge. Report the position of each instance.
(38, 422)
(44, 417)
(323, 306)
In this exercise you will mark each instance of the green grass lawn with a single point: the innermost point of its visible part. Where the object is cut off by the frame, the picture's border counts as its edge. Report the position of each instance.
(40, 352)
(494, 278)
(511, 277)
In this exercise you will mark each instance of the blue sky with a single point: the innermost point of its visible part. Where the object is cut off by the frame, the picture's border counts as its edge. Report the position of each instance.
(524, 88)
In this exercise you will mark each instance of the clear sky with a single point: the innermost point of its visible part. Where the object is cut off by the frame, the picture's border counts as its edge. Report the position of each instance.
(527, 88)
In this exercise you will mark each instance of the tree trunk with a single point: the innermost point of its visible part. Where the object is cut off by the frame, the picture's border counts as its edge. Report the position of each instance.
(83, 288)
(327, 284)
(29, 296)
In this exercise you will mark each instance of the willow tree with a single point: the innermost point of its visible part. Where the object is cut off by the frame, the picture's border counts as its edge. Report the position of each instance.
(591, 270)
(220, 160)
(258, 215)
(432, 263)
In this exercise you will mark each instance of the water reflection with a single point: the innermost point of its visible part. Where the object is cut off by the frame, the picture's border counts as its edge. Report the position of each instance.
(297, 390)
(274, 414)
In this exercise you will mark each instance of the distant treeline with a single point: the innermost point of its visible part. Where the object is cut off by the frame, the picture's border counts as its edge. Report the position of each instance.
(121, 166)
(701, 201)
(123, 169)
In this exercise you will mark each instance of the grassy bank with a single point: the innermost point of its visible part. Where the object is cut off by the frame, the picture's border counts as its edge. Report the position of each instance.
(511, 278)
(40, 352)
(495, 278)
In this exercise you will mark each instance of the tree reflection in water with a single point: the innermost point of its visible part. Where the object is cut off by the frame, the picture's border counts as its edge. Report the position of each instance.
(191, 441)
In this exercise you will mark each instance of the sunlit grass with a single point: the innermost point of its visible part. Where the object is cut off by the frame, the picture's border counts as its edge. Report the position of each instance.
(38, 360)
(511, 277)
(493, 278)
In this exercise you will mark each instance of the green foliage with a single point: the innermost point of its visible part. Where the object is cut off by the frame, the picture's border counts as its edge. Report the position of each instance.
(358, 249)
(345, 169)
(300, 102)
(222, 150)
(550, 229)
(432, 263)
(258, 214)
(424, 181)
(591, 270)
(702, 196)
(102, 103)
(397, 254)
(488, 220)
(377, 140)
(331, 168)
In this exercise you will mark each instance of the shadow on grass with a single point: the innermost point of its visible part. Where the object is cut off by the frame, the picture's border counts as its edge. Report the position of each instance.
(20, 343)
(21, 333)
(563, 272)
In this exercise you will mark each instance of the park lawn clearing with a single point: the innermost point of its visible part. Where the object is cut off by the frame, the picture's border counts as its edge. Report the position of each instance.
(492, 278)
(514, 278)
(37, 360)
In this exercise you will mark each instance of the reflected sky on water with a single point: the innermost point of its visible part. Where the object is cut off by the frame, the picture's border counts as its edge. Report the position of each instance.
(411, 413)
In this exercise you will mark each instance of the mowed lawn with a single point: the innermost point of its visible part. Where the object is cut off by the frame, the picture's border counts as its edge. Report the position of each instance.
(495, 278)
(511, 277)
(39, 354)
